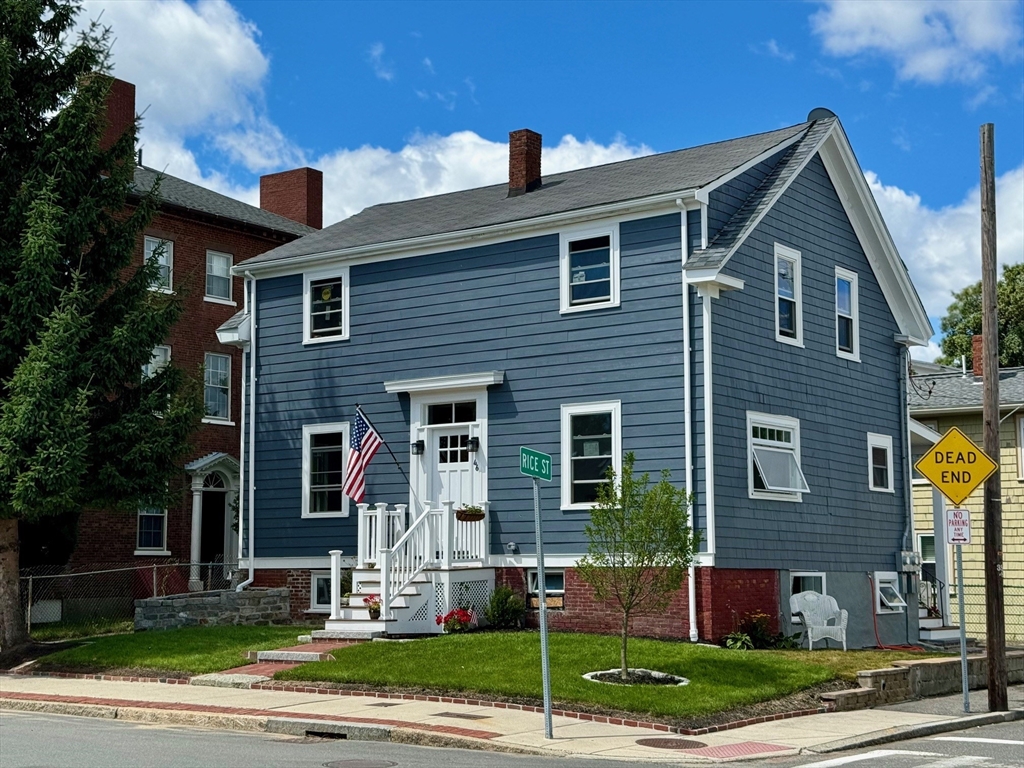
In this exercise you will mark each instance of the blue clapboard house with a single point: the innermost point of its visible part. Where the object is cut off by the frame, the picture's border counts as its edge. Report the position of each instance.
(736, 313)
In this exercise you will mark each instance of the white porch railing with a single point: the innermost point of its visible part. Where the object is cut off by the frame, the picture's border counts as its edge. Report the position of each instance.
(378, 528)
(436, 539)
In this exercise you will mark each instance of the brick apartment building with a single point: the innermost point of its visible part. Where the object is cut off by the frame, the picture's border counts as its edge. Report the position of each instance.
(198, 236)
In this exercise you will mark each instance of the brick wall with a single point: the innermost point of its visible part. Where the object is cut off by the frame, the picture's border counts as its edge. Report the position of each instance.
(109, 536)
(726, 595)
(582, 612)
(298, 582)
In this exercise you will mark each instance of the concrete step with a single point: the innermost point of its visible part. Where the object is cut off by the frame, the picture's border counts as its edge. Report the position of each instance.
(932, 623)
(346, 633)
(940, 633)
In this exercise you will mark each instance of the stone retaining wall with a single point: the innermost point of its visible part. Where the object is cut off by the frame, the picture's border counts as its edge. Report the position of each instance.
(251, 606)
(912, 679)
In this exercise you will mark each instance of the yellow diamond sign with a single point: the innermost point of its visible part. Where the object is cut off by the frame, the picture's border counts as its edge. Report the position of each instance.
(956, 466)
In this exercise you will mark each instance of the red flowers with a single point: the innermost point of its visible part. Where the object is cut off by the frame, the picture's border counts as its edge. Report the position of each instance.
(456, 620)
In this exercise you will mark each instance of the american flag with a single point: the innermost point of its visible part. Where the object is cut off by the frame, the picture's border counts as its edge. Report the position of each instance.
(362, 446)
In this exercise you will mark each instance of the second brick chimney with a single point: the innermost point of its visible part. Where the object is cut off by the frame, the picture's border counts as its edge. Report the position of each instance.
(978, 354)
(297, 195)
(120, 112)
(523, 162)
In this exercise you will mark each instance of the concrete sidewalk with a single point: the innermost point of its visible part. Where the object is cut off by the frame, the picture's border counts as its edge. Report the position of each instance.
(451, 724)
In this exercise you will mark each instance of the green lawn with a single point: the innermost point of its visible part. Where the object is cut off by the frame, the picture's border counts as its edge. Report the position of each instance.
(193, 651)
(508, 665)
(71, 630)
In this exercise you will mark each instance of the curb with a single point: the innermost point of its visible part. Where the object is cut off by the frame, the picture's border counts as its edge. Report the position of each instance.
(904, 732)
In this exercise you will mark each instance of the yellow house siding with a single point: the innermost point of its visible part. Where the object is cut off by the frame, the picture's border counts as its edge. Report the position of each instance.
(1010, 436)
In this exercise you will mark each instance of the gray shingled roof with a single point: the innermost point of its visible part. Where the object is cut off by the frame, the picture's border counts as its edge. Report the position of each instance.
(185, 194)
(935, 393)
(746, 218)
(574, 190)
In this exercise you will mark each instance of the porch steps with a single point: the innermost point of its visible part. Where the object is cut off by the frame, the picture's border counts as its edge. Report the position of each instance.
(940, 634)
(933, 623)
(329, 635)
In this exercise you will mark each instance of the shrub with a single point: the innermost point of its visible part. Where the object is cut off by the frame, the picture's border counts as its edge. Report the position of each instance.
(738, 641)
(505, 609)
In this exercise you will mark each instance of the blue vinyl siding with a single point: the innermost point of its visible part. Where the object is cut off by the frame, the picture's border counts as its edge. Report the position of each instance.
(840, 525)
(493, 307)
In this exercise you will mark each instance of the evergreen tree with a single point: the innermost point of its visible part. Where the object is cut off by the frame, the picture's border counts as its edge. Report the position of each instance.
(79, 425)
(963, 320)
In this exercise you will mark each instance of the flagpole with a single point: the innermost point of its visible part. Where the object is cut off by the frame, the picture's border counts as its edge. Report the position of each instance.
(393, 457)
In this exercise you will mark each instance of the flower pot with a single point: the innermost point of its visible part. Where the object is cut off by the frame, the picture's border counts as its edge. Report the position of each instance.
(468, 516)
(374, 614)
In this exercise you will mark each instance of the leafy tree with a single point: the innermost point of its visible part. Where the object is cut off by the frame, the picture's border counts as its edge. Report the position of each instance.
(78, 423)
(963, 320)
(640, 545)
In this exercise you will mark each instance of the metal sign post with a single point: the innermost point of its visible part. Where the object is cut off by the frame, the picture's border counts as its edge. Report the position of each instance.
(538, 466)
(956, 466)
(958, 533)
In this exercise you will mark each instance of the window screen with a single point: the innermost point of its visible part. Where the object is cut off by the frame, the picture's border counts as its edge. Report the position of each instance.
(590, 276)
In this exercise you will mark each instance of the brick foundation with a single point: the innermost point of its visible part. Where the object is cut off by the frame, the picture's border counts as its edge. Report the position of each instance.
(724, 597)
(298, 582)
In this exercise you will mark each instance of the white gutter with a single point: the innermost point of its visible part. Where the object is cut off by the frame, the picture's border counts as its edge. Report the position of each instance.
(444, 239)
(251, 305)
(691, 575)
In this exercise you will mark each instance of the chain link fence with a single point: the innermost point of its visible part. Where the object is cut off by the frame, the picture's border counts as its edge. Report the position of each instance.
(64, 602)
(974, 611)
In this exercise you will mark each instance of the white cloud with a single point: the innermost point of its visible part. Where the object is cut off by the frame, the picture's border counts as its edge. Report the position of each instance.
(433, 165)
(927, 354)
(199, 72)
(942, 247)
(428, 65)
(930, 41)
(773, 49)
(383, 69)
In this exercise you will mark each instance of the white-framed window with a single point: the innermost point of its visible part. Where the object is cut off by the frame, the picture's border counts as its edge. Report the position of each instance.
(926, 548)
(806, 581)
(217, 386)
(324, 454)
(591, 443)
(325, 306)
(887, 592)
(554, 582)
(159, 359)
(163, 251)
(218, 275)
(320, 591)
(151, 531)
(789, 311)
(880, 462)
(589, 268)
(773, 457)
(847, 315)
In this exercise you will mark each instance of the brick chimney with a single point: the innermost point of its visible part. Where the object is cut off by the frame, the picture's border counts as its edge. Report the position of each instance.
(523, 162)
(297, 195)
(977, 355)
(120, 112)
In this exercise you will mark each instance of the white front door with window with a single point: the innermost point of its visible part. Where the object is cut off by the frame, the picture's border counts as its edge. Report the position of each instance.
(449, 466)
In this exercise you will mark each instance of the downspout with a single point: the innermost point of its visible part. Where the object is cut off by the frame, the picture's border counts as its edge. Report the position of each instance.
(252, 434)
(709, 427)
(241, 448)
(908, 500)
(691, 597)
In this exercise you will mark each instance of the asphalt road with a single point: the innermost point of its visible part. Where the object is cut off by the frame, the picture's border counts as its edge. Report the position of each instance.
(29, 740)
(990, 746)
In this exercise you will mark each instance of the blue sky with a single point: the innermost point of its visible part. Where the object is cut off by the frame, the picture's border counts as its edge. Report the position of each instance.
(394, 100)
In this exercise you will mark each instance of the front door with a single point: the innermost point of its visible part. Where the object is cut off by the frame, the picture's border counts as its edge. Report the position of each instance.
(450, 477)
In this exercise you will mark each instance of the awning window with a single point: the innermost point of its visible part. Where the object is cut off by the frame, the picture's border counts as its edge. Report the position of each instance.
(779, 470)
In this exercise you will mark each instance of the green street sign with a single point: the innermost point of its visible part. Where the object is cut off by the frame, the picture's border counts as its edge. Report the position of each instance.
(535, 464)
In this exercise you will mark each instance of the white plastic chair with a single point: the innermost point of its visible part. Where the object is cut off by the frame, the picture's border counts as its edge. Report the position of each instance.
(816, 611)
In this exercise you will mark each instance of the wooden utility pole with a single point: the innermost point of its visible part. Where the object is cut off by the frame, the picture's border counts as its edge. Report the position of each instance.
(995, 622)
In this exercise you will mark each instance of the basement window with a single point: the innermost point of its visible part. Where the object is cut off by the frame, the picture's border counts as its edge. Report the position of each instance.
(887, 593)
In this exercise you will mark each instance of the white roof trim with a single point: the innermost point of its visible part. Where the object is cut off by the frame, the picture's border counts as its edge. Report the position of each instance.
(874, 237)
(917, 429)
(703, 194)
(211, 461)
(417, 246)
(442, 383)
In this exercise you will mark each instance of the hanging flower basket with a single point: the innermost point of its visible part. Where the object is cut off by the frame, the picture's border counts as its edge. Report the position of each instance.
(469, 514)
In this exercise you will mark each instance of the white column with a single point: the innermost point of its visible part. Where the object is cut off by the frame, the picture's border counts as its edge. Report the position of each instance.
(448, 535)
(335, 584)
(941, 554)
(195, 582)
